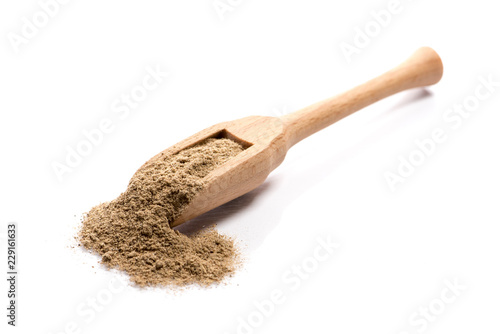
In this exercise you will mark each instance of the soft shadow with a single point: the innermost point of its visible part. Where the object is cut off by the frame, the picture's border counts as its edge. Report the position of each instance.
(410, 97)
(222, 213)
(414, 106)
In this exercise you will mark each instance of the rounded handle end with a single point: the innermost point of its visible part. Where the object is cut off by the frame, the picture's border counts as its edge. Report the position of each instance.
(425, 65)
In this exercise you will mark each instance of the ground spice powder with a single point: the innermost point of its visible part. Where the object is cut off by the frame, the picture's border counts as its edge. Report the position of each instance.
(132, 232)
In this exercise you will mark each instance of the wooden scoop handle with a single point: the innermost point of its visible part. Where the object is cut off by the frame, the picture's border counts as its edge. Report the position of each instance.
(423, 68)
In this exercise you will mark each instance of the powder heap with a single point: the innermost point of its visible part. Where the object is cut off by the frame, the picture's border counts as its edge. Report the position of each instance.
(132, 232)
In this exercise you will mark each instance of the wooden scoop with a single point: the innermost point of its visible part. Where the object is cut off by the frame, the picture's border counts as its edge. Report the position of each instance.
(267, 139)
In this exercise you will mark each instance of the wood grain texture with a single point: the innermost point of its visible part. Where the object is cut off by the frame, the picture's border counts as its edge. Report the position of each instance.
(423, 68)
(267, 139)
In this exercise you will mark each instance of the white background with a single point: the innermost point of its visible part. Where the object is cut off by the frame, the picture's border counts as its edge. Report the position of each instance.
(397, 248)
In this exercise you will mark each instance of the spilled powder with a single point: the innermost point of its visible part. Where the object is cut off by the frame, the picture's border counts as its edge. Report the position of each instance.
(132, 232)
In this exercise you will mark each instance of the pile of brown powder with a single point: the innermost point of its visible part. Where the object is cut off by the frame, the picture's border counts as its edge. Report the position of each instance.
(132, 232)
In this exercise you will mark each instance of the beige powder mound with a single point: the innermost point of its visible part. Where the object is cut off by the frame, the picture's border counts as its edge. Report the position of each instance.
(132, 232)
